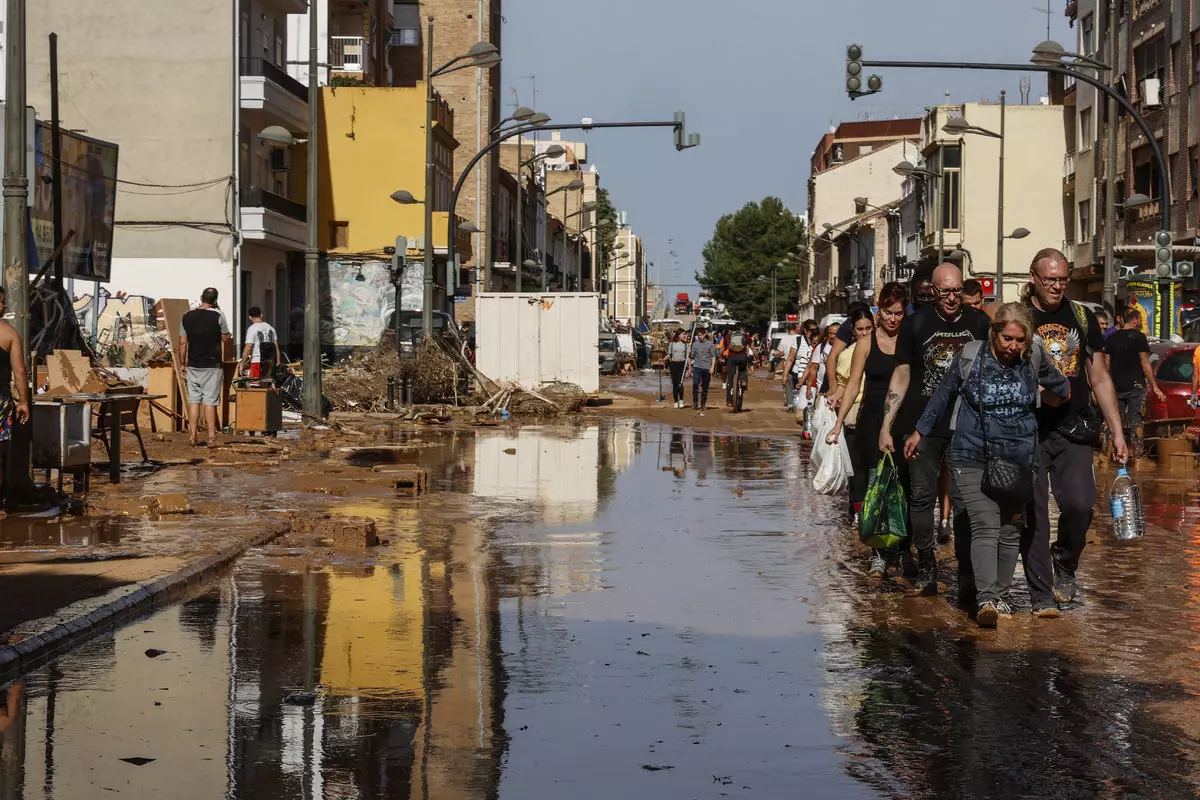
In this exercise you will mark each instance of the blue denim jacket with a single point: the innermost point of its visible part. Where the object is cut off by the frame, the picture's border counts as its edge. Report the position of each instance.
(1007, 397)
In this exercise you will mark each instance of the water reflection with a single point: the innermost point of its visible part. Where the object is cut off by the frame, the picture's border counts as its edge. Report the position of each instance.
(580, 619)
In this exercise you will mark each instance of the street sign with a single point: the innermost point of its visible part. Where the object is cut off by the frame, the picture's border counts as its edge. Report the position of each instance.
(989, 287)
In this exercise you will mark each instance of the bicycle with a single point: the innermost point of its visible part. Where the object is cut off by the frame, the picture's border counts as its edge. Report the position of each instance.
(740, 384)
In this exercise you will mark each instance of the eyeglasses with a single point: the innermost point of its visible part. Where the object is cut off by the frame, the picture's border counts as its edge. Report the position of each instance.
(1063, 281)
(954, 292)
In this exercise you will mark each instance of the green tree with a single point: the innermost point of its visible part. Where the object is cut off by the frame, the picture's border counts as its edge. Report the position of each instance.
(743, 251)
(607, 231)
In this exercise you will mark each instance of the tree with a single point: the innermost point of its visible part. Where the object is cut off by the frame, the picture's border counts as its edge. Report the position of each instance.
(606, 233)
(745, 247)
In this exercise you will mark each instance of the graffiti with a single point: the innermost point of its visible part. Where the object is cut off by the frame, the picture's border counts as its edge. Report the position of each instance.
(361, 299)
(128, 331)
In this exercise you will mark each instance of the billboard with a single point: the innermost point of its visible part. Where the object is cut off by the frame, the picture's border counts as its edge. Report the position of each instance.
(89, 188)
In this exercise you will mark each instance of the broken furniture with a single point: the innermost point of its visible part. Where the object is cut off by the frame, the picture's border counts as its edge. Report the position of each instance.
(258, 407)
(62, 438)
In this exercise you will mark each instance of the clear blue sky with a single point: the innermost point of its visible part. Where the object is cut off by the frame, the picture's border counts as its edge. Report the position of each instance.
(761, 80)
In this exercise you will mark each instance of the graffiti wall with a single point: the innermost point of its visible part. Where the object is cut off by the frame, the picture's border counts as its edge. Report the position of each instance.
(360, 300)
(127, 328)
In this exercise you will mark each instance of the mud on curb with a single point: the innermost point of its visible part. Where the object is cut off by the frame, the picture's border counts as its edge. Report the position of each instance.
(72, 624)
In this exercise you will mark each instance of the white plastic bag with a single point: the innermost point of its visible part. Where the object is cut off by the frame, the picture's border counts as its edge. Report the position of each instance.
(824, 419)
(833, 475)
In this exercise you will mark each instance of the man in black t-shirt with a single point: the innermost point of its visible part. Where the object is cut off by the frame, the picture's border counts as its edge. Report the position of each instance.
(930, 339)
(1129, 366)
(1068, 435)
(202, 334)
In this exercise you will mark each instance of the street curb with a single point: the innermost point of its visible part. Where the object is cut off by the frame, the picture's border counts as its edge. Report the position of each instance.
(78, 621)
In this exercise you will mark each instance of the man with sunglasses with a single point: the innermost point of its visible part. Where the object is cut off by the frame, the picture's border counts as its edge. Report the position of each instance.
(930, 340)
(1069, 434)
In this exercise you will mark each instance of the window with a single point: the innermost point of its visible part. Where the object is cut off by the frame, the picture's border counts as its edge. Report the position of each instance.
(1085, 129)
(1085, 222)
(1087, 35)
(407, 32)
(1145, 173)
(1177, 368)
(1150, 61)
(951, 163)
(1196, 57)
(1194, 173)
(339, 235)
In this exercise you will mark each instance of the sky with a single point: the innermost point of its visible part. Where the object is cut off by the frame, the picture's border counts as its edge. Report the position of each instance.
(760, 80)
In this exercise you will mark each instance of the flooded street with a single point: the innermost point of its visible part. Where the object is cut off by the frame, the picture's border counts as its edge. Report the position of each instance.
(623, 610)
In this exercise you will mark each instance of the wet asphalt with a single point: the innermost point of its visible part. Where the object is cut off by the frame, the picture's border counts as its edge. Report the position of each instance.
(624, 610)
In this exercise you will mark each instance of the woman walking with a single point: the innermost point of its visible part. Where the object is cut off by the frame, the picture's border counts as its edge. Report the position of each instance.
(677, 352)
(862, 322)
(991, 392)
(870, 374)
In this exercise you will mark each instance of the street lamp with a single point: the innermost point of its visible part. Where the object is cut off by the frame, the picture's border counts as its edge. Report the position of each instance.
(960, 127)
(907, 170)
(523, 117)
(553, 151)
(1018, 233)
(483, 55)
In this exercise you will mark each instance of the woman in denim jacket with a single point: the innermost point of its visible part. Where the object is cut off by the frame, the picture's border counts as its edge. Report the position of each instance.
(993, 390)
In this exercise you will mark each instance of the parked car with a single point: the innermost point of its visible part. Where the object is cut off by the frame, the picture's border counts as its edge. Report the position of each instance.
(1189, 308)
(608, 353)
(641, 350)
(1172, 364)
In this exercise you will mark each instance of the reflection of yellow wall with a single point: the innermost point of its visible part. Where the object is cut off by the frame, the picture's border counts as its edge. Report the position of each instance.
(373, 143)
(374, 637)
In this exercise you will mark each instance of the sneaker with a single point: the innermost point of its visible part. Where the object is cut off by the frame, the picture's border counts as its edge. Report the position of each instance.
(855, 521)
(1003, 609)
(878, 567)
(1065, 588)
(908, 567)
(926, 573)
(987, 614)
(945, 531)
(1046, 609)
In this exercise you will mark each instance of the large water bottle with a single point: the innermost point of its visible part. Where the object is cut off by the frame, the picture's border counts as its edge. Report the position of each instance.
(1126, 500)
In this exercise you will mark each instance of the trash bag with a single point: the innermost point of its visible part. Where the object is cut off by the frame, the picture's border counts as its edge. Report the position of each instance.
(833, 475)
(883, 521)
(823, 420)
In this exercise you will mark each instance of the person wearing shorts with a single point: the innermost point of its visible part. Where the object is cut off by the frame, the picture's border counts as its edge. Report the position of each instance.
(202, 334)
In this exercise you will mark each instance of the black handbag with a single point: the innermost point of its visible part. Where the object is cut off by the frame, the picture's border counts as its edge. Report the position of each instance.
(1004, 480)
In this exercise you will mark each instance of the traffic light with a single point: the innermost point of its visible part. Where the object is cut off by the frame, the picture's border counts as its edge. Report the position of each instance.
(1163, 256)
(1184, 269)
(854, 74)
(854, 70)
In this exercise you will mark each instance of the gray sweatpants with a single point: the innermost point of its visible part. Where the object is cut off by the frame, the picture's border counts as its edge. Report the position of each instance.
(995, 532)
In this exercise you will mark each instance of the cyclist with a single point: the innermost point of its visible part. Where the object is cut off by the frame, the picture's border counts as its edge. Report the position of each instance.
(738, 354)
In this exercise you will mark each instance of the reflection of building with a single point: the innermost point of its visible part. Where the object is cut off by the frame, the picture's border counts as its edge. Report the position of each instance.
(558, 473)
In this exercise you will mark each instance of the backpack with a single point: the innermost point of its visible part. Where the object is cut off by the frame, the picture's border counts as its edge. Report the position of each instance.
(737, 342)
(966, 362)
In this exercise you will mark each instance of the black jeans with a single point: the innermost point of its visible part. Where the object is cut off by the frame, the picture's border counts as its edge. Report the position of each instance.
(700, 379)
(1129, 402)
(676, 380)
(862, 470)
(1072, 479)
(920, 478)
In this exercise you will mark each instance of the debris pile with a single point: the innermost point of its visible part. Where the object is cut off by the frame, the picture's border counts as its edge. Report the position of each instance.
(555, 398)
(359, 382)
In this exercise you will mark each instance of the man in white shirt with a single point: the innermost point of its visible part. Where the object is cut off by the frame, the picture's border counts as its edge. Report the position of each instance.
(787, 343)
(261, 340)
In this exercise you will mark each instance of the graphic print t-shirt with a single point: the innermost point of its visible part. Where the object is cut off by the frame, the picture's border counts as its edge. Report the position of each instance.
(1063, 339)
(928, 344)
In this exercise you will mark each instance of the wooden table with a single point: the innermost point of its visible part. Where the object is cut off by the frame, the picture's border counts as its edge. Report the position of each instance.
(111, 406)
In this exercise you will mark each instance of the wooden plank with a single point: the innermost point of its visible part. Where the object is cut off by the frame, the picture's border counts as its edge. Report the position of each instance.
(165, 415)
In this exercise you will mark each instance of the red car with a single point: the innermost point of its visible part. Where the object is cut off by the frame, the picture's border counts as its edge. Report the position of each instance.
(1172, 364)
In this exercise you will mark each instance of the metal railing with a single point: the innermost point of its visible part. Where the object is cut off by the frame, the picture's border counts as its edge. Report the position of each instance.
(1069, 165)
(347, 53)
(254, 197)
(262, 68)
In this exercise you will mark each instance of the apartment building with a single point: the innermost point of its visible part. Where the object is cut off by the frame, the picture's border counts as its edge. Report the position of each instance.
(202, 200)
(625, 295)
(1157, 65)
(581, 222)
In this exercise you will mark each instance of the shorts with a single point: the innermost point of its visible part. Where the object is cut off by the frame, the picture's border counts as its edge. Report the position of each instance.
(6, 418)
(204, 385)
(256, 369)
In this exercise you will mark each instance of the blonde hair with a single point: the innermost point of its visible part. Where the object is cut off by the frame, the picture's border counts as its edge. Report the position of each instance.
(1014, 314)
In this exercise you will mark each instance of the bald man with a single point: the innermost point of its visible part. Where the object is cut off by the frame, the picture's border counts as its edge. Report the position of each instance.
(930, 340)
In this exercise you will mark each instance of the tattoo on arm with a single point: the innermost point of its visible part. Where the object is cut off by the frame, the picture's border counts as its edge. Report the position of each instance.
(892, 397)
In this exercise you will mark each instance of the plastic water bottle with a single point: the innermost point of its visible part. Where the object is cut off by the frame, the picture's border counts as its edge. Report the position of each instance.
(1126, 500)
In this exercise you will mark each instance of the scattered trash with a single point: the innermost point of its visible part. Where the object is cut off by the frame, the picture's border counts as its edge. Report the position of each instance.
(301, 699)
(154, 652)
(138, 761)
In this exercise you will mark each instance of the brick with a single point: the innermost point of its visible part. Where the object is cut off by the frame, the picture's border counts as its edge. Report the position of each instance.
(176, 503)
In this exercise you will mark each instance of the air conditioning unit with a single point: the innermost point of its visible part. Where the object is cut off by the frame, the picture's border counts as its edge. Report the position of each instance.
(280, 161)
(1151, 92)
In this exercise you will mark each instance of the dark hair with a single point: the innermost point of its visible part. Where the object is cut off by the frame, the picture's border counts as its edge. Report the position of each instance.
(254, 311)
(856, 306)
(859, 313)
(209, 296)
(1130, 314)
(893, 293)
(972, 287)
(920, 275)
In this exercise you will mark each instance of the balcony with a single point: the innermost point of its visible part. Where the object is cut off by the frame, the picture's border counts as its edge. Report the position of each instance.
(273, 219)
(1069, 173)
(281, 99)
(348, 53)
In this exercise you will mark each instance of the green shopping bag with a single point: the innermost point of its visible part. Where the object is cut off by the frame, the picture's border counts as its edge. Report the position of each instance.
(883, 521)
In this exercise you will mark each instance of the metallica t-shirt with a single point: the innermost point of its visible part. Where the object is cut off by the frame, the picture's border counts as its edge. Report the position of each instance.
(928, 344)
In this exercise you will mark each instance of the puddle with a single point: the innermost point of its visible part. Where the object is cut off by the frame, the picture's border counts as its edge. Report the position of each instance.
(22, 531)
(628, 610)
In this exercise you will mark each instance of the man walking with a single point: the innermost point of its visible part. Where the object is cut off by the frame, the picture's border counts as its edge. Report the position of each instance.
(202, 332)
(1068, 435)
(1128, 353)
(929, 341)
(261, 352)
(704, 361)
(781, 355)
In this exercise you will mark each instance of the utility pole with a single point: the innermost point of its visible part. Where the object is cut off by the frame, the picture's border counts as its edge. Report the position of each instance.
(428, 282)
(1000, 207)
(56, 165)
(1109, 296)
(312, 252)
(16, 192)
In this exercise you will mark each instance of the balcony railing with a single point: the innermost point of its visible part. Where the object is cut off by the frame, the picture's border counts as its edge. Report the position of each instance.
(262, 68)
(261, 198)
(1069, 166)
(347, 53)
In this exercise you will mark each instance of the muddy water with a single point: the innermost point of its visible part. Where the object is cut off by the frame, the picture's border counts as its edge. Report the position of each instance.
(624, 610)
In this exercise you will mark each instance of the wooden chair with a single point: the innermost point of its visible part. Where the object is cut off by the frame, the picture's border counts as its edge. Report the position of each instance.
(128, 420)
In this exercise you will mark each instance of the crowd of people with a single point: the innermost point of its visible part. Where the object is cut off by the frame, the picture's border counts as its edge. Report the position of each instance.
(1005, 401)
